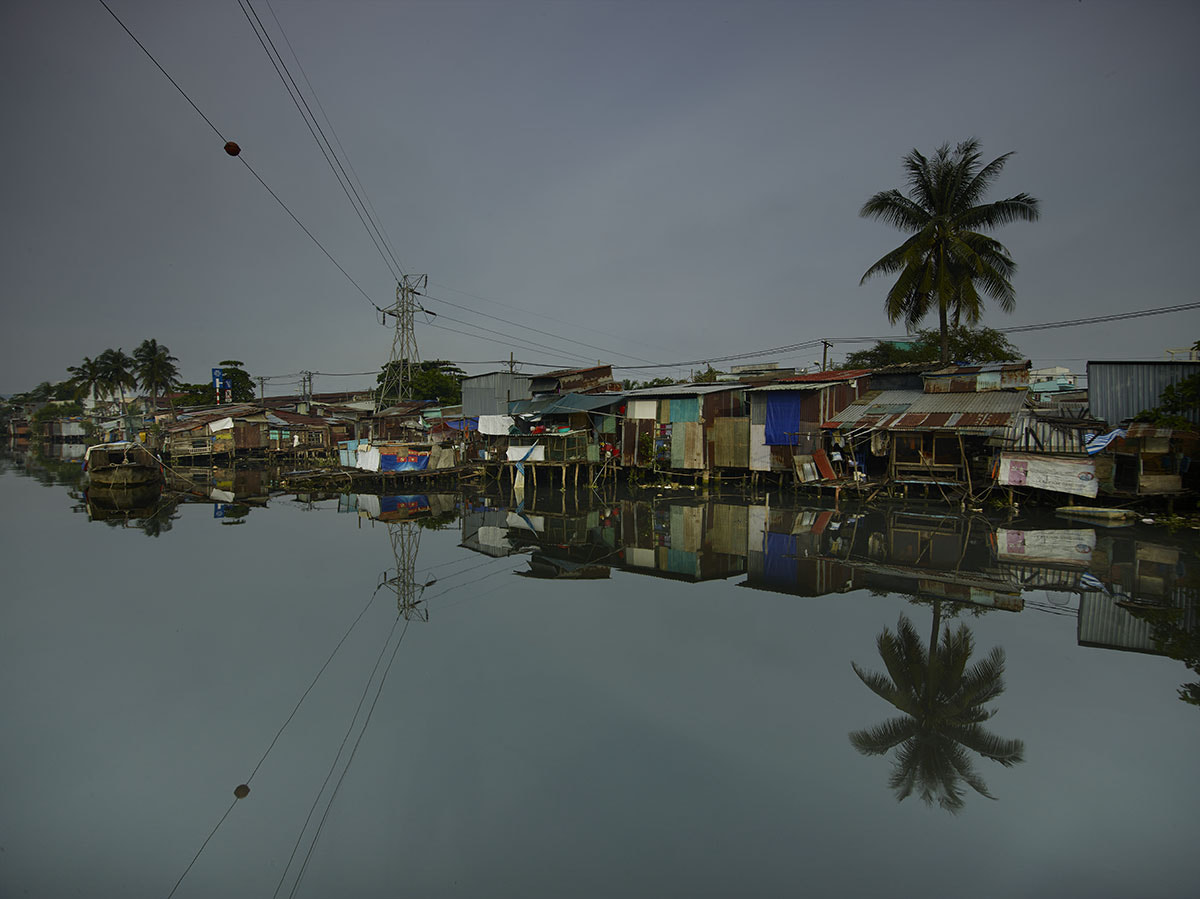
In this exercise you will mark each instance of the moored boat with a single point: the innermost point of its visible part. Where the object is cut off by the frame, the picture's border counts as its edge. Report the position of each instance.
(122, 464)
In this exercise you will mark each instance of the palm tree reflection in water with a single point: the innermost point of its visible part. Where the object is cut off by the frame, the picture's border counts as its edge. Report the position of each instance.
(943, 704)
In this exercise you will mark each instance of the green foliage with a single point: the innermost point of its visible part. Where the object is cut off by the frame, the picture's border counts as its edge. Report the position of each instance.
(646, 448)
(155, 368)
(943, 702)
(116, 373)
(197, 395)
(708, 376)
(241, 386)
(653, 382)
(54, 410)
(970, 346)
(435, 380)
(946, 261)
(87, 379)
(1174, 404)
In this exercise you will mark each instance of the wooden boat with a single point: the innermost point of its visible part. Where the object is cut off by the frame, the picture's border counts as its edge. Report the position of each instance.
(123, 503)
(123, 464)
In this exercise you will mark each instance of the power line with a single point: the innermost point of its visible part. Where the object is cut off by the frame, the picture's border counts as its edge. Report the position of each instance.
(323, 142)
(508, 340)
(362, 192)
(1015, 329)
(506, 321)
(241, 157)
(538, 314)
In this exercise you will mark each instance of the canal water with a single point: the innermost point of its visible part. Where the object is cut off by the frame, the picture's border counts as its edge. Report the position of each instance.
(682, 696)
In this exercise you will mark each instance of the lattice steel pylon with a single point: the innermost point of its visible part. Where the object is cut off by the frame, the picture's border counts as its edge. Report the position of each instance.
(406, 540)
(397, 380)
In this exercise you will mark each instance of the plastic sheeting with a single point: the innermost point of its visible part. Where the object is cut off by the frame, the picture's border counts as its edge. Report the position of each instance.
(536, 453)
(783, 418)
(642, 409)
(368, 458)
(222, 424)
(495, 425)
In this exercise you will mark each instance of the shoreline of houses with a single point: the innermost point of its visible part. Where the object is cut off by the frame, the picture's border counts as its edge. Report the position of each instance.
(960, 434)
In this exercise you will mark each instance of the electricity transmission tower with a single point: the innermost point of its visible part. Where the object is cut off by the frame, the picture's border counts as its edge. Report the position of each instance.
(397, 379)
(406, 540)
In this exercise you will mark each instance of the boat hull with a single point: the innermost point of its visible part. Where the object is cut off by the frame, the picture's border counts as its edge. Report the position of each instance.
(124, 475)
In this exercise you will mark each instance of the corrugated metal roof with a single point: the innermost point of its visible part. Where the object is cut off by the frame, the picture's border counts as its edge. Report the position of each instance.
(683, 390)
(1117, 391)
(978, 403)
(794, 388)
(830, 375)
(877, 403)
(976, 369)
(565, 404)
(907, 410)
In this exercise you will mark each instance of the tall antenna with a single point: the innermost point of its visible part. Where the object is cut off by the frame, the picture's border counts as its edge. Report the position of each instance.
(397, 379)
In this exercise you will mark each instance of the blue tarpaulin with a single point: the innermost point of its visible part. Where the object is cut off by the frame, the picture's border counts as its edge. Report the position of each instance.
(779, 566)
(1095, 443)
(783, 418)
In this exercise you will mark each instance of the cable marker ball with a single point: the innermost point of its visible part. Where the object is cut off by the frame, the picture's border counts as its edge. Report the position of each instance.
(232, 149)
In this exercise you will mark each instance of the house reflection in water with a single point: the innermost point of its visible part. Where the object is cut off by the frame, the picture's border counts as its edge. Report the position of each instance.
(1127, 593)
(812, 552)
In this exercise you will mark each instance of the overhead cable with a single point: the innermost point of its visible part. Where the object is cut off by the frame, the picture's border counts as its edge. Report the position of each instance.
(318, 135)
(506, 321)
(242, 158)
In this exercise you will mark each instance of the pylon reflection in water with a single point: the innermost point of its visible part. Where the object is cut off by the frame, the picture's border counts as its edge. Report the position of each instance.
(406, 540)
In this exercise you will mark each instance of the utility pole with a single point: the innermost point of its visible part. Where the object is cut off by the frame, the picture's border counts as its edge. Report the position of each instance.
(306, 390)
(262, 391)
(512, 365)
(398, 373)
(825, 345)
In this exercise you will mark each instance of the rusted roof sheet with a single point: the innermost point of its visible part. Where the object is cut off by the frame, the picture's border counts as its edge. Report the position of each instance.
(966, 412)
(827, 376)
(976, 369)
(684, 389)
(1006, 401)
(872, 407)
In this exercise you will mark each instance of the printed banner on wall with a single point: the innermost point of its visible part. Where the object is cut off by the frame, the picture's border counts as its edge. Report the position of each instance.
(1060, 474)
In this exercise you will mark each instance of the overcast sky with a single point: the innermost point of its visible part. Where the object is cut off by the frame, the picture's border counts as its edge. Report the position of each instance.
(663, 182)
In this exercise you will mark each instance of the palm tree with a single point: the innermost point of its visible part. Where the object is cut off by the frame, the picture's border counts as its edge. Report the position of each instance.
(116, 369)
(943, 704)
(156, 371)
(947, 261)
(87, 378)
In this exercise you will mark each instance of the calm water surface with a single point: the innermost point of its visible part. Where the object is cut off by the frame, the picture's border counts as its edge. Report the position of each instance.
(687, 721)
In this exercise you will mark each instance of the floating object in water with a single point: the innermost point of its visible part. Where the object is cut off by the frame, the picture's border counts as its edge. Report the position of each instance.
(232, 149)
(242, 791)
(1098, 512)
(1147, 521)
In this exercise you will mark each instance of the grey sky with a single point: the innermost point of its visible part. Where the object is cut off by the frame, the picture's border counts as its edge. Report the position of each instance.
(671, 181)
